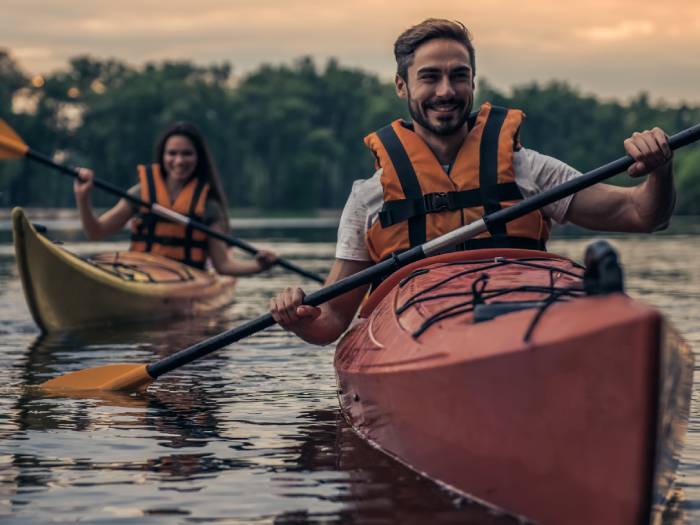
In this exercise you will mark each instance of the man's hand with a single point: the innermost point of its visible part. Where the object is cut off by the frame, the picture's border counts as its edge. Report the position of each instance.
(324, 324)
(290, 314)
(651, 152)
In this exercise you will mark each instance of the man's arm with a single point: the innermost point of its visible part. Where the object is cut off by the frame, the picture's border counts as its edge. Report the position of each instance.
(643, 208)
(324, 324)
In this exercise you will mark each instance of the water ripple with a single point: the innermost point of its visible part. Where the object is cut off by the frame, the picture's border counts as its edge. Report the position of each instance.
(252, 434)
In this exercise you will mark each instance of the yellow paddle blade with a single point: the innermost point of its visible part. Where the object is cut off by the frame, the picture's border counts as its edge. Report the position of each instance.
(109, 377)
(109, 398)
(11, 145)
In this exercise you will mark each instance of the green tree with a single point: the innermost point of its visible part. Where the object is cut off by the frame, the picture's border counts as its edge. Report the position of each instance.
(688, 182)
(125, 110)
(284, 136)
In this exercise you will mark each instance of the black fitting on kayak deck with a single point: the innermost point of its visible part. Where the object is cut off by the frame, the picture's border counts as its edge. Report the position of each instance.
(486, 312)
(603, 271)
(478, 287)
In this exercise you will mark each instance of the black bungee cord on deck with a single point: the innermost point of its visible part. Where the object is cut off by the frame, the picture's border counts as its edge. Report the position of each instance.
(131, 272)
(480, 295)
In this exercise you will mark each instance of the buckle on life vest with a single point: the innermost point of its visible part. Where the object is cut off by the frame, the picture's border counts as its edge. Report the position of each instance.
(437, 201)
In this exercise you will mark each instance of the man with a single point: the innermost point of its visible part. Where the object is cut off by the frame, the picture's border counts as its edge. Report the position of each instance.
(446, 169)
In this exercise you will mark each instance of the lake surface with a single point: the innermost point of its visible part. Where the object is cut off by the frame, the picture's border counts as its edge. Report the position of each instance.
(252, 434)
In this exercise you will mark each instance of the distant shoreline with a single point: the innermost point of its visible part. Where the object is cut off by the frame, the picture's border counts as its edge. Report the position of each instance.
(255, 219)
(234, 213)
(249, 219)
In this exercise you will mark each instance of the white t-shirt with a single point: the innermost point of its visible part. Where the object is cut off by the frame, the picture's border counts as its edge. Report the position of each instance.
(534, 173)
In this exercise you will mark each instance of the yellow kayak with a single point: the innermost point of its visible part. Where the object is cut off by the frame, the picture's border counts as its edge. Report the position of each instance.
(65, 291)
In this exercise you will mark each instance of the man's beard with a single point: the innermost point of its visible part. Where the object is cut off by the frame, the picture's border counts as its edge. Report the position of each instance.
(443, 128)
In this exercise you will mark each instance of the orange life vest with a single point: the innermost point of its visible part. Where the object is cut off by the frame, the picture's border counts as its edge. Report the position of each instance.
(422, 202)
(151, 233)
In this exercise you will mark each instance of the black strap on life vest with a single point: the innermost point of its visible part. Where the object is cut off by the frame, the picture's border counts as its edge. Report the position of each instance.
(409, 182)
(146, 229)
(189, 241)
(164, 240)
(488, 166)
(150, 219)
(394, 212)
(489, 194)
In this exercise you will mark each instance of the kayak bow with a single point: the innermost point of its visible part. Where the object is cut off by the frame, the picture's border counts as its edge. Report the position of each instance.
(494, 372)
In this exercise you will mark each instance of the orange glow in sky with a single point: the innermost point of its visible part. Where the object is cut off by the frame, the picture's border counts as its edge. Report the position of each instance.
(612, 48)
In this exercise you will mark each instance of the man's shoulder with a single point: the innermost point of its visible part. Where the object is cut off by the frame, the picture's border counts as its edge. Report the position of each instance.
(367, 190)
(369, 181)
(527, 154)
(533, 160)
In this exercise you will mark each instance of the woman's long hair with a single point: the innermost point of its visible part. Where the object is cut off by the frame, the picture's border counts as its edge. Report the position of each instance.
(205, 168)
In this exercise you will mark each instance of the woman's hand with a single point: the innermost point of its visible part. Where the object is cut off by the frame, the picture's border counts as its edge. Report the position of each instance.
(265, 259)
(83, 184)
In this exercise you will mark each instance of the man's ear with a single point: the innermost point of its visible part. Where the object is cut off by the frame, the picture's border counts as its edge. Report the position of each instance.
(401, 87)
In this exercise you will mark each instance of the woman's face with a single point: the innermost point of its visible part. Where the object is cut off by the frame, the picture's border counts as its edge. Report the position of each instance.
(179, 158)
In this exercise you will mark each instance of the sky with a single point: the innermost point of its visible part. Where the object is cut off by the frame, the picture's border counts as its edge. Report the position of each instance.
(610, 48)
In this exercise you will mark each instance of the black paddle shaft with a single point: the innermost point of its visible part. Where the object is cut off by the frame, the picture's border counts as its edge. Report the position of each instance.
(387, 266)
(327, 293)
(110, 188)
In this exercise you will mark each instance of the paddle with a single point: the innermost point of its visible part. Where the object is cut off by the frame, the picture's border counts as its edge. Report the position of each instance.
(13, 147)
(130, 376)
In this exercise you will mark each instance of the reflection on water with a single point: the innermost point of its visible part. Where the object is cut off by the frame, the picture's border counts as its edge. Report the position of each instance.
(251, 434)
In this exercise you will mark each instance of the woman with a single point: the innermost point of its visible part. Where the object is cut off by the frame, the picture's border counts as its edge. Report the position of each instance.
(185, 180)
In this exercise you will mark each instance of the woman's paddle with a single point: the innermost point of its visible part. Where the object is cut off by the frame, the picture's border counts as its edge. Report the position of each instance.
(13, 147)
(130, 376)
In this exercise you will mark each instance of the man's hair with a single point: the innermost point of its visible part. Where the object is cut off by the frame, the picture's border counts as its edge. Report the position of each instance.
(430, 29)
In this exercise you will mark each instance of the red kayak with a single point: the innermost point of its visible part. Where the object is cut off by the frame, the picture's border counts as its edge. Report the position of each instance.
(508, 377)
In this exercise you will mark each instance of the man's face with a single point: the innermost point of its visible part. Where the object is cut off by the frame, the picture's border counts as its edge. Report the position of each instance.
(440, 86)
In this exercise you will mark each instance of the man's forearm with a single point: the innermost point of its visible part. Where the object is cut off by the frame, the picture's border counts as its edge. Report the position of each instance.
(655, 199)
(325, 329)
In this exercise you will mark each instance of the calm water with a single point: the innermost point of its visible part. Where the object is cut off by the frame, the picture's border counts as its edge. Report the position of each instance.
(253, 433)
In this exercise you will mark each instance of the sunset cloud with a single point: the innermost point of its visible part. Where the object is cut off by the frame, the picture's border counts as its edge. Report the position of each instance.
(588, 43)
(624, 30)
(29, 54)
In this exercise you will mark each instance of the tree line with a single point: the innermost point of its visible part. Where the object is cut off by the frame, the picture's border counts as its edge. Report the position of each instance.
(285, 137)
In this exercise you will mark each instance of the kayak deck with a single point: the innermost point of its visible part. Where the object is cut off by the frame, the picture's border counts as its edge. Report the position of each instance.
(571, 410)
(66, 292)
